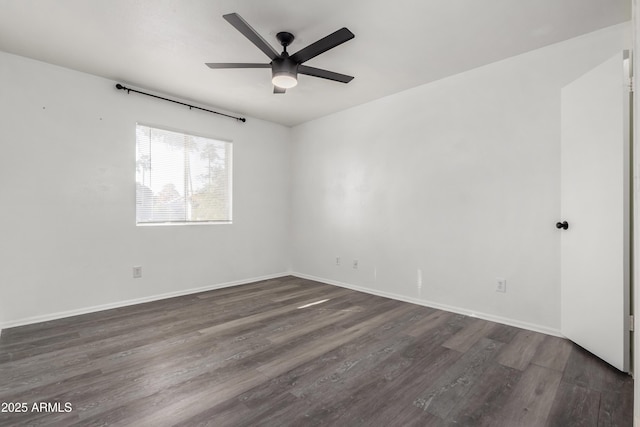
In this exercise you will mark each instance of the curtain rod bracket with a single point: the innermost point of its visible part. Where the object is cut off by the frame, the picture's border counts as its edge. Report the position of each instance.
(129, 90)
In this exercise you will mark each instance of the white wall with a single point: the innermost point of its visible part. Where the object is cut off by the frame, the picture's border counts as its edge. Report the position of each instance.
(67, 198)
(458, 181)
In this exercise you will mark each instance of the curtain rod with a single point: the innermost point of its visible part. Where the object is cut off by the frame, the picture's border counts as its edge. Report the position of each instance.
(121, 87)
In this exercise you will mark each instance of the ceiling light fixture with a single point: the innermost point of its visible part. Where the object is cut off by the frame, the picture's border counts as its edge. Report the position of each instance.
(284, 69)
(284, 80)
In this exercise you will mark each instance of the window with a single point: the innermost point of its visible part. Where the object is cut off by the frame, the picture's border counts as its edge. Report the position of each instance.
(180, 178)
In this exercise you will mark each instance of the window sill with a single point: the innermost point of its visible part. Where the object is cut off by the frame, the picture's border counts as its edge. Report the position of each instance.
(165, 224)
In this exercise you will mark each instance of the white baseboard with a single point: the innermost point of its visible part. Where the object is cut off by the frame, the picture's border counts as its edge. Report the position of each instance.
(432, 304)
(426, 303)
(102, 307)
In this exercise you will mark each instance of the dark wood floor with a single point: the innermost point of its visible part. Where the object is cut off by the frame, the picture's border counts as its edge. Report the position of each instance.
(254, 355)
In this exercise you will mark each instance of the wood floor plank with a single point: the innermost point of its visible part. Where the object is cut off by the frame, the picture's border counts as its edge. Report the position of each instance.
(233, 413)
(359, 399)
(503, 333)
(323, 399)
(533, 396)
(441, 396)
(615, 406)
(324, 367)
(431, 322)
(352, 370)
(471, 334)
(424, 343)
(336, 367)
(574, 406)
(292, 333)
(586, 370)
(259, 354)
(391, 397)
(258, 293)
(195, 402)
(265, 314)
(519, 352)
(250, 287)
(352, 367)
(119, 327)
(281, 297)
(408, 416)
(74, 366)
(64, 360)
(37, 419)
(553, 353)
(133, 384)
(485, 397)
(299, 355)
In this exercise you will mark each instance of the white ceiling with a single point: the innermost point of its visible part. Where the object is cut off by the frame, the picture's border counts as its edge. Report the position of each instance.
(162, 45)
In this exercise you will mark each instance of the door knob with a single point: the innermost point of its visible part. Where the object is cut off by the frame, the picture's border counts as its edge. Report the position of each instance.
(564, 225)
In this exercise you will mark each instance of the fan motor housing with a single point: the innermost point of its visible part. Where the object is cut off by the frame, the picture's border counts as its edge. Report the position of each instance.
(284, 66)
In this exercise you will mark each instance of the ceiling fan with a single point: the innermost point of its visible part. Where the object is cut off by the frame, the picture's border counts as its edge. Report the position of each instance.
(285, 68)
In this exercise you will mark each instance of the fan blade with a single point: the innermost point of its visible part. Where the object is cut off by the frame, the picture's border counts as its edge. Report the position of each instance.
(277, 89)
(324, 74)
(322, 45)
(255, 38)
(236, 65)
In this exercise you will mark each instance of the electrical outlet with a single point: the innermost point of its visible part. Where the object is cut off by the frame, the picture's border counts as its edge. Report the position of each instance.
(137, 272)
(355, 263)
(501, 285)
(337, 260)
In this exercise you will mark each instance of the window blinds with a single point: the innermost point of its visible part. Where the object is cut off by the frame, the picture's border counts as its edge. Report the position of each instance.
(181, 178)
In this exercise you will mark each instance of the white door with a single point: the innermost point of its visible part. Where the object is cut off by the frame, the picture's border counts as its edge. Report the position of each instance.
(595, 167)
